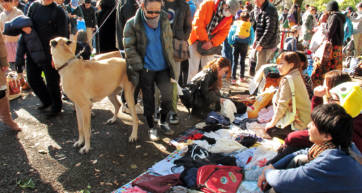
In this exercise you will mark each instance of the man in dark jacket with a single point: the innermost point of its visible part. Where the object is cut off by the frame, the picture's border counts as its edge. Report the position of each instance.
(266, 30)
(180, 19)
(147, 40)
(49, 21)
(75, 13)
(89, 14)
(125, 10)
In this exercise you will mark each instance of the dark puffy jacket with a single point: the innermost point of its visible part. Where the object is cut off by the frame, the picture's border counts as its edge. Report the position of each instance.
(335, 28)
(181, 26)
(267, 26)
(29, 44)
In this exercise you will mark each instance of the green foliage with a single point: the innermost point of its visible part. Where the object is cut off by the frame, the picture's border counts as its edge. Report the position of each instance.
(26, 184)
(321, 4)
(87, 190)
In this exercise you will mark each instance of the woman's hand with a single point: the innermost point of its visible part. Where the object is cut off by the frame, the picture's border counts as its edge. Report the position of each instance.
(26, 30)
(4, 68)
(319, 91)
(269, 126)
(207, 45)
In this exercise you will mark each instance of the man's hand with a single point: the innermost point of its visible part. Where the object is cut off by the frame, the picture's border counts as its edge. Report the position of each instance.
(27, 30)
(262, 183)
(259, 48)
(4, 68)
(207, 45)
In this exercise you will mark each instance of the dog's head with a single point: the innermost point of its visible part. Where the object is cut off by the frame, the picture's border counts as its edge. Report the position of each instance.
(62, 48)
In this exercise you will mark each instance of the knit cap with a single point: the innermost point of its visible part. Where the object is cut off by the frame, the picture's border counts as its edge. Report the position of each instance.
(332, 6)
(350, 97)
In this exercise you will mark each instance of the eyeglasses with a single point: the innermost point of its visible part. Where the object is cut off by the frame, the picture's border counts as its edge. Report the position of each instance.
(153, 12)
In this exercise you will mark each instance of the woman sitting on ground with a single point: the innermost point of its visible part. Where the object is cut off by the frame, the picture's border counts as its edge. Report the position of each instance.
(289, 67)
(326, 166)
(209, 82)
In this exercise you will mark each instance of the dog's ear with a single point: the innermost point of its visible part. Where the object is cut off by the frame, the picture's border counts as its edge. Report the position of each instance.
(53, 43)
(68, 42)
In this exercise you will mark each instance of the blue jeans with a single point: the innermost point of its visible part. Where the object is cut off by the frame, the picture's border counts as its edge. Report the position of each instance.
(240, 50)
(227, 51)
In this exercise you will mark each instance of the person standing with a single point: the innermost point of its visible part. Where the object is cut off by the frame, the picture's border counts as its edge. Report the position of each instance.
(180, 19)
(5, 115)
(75, 13)
(89, 13)
(266, 30)
(357, 30)
(107, 33)
(210, 28)
(49, 21)
(147, 39)
(125, 10)
(9, 13)
(308, 25)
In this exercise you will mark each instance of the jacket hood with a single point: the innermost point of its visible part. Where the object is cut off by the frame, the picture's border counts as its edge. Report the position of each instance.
(13, 27)
(340, 17)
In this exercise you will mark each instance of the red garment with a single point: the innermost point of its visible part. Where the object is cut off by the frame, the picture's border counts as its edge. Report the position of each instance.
(301, 138)
(316, 101)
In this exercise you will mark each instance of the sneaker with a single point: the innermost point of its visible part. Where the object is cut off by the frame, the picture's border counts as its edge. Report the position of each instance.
(157, 117)
(152, 133)
(174, 119)
(165, 128)
(243, 80)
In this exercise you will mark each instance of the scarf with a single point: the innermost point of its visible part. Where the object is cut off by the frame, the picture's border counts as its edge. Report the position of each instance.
(315, 150)
(216, 18)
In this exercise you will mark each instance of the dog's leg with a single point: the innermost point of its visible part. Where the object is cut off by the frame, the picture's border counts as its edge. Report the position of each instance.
(80, 141)
(116, 105)
(129, 94)
(86, 112)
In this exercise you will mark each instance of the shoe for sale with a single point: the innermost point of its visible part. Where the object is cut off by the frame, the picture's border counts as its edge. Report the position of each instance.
(174, 119)
(153, 134)
(165, 128)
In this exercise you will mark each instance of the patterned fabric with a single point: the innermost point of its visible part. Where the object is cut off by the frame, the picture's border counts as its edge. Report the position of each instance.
(315, 150)
(216, 18)
(327, 64)
(11, 50)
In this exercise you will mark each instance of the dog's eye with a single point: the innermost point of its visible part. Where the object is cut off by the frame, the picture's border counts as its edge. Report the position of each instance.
(68, 42)
(53, 43)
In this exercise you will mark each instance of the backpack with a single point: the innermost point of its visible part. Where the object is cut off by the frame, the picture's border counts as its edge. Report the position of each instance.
(219, 179)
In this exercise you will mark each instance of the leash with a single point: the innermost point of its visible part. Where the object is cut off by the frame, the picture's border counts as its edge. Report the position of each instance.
(94, 33)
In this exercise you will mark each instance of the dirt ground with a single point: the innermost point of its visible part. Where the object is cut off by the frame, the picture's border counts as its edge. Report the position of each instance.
(43, 153)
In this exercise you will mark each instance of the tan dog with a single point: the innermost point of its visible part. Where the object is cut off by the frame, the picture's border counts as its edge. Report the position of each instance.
(88, 81)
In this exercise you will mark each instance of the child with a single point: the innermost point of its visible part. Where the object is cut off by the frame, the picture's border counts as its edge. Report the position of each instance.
(82, 43)
(240, 36)
(9, 12)
(29, 42)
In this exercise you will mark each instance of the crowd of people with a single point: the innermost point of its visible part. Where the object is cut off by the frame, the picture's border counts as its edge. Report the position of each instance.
(197, 44)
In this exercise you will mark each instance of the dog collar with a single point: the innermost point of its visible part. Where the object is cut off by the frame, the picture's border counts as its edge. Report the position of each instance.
(66, 64)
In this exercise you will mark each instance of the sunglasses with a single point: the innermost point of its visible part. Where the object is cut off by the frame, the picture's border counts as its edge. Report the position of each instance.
(153, 12)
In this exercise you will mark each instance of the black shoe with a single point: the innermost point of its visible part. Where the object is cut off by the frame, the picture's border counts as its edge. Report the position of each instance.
(165, 128)
(43, 107)
(174, 119)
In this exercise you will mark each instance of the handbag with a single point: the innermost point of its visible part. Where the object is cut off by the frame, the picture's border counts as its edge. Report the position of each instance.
(181, 50)
(289, 117)
(211, 51)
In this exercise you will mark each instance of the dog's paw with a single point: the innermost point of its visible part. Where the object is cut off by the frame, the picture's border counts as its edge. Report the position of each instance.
(84, 150)
(79, 143)
(111, 120)
(132, 138)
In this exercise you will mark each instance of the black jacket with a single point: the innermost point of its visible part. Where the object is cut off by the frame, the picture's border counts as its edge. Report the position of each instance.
(89, 16)
(267, 26)
(29, 44)
(335, 28)
(124, 11)
(208, 96)
(181, 26)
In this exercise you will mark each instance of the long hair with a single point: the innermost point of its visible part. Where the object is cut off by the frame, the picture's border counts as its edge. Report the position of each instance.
(82, 36)
(218, 64)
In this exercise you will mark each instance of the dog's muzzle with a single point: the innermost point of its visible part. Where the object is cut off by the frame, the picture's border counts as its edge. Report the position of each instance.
(53, 43)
